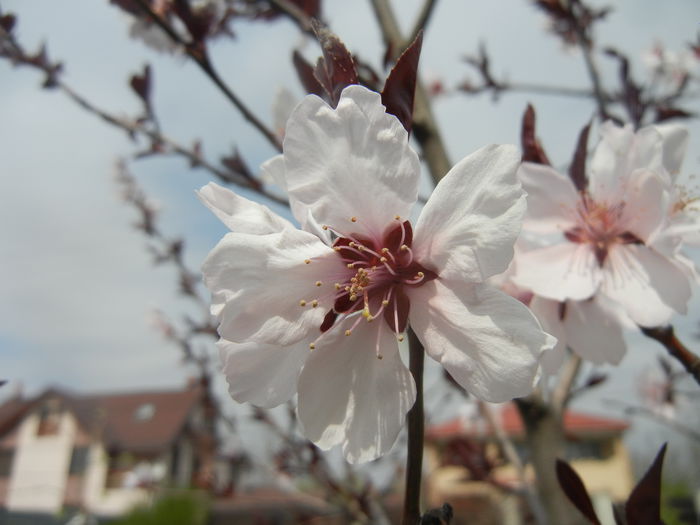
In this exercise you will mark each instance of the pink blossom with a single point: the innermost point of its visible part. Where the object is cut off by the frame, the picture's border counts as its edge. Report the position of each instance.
(320, 310)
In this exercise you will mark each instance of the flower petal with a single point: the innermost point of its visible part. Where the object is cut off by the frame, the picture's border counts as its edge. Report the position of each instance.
(648, 285)
(240, 214)
(593, 331)
(675, 144)
(552, 199)
(547, 312)
(560, 272)
(470, 223)
(489, 342)
(352, 161)
(348, 396)
(263, 278)
(646, 202)
(264, 375)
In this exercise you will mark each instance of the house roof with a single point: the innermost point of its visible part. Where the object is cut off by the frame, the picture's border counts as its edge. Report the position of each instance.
(575, 424)
(139, 422)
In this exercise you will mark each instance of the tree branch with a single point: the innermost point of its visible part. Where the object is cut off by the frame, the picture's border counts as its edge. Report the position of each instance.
(422, 20)
(199, 55)
(667, 337)
(414, 458)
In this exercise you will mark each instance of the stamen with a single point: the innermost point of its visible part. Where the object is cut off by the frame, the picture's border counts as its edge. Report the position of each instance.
(314, 303)
(312, 346)
(307, 261)
(418, 278)
(410, 252)
(318, 283)
(338, 286)
(353, 219)
(302, 303)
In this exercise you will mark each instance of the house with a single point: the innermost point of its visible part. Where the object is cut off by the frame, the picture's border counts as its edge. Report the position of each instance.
(469, 469)
(102, 453)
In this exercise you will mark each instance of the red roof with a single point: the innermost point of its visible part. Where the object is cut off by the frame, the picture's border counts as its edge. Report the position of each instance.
(575, 423)
(115, 417)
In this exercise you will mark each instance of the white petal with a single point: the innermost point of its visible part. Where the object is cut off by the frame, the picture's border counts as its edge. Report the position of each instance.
(262, 279)
(547, 312)
(470, 223)
(675, 144)
(348, 396)
(563, 271)
(648, 285)
(593, 331)
(240, 214)
(274, 170)
(489, 342)
(352, 161)
(264, 375)
(646, 202)
(551, 198)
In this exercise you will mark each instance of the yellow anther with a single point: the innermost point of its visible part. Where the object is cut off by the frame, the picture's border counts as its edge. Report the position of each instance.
(382, 259)
(385, 302)
(348, 332)
(400, 338)
(404, 247)
(336, 248)
(312, 346)
(397, 217)
(307, 261)
(337, 286)
(421, 274)
(352, 245)
(314, 303)
(366, 314)
(360, 247)
(302, 303)
(353, 219)
(353, 297)
(324, 227)
(351, 265)
(385, 250)
(347, 288)
(380, 356)
(318, 283)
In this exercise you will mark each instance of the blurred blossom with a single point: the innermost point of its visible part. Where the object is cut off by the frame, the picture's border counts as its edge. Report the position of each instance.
(670, 67)
(616, 251)
(350, 281)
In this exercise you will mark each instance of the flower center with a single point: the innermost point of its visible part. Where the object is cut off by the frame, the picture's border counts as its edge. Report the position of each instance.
(600, 225)
(378, 272)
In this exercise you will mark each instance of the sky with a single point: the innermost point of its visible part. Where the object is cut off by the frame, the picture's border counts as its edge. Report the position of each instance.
(79, 285)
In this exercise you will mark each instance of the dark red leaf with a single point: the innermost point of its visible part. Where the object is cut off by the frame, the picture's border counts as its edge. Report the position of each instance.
(141, 84)
(666, 113)
(400, 87)
(7, 22)
(574, 489)
(532, 149)
(198, 23)
(336, 69)
(644, 504)
(305, 71)
(577, 170)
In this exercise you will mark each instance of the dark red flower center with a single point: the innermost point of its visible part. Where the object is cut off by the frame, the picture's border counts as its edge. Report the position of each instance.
(379, 273)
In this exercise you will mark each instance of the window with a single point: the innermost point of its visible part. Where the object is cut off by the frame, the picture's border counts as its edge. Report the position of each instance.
(78, 461)
(49, 418)
(6, 455)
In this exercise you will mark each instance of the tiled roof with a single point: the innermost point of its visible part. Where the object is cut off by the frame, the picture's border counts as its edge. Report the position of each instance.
(575, 424)
(115, 417)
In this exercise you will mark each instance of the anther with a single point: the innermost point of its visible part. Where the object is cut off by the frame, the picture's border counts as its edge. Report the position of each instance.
(324, 227)
(336, 248)
(383, 259)
(337, 286)
(348, 332)
(302, 303)
(314, 303)
(318, 283)
(380, 356)
(385, 303)
(397, 217)
(352, 244)
(353, 297)
(351, 265)
(400, 338)
(404, 248)
(353, 219)
(307, 261)
(385, 250)
(312, 346)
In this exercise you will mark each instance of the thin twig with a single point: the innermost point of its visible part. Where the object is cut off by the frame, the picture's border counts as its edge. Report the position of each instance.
(199, 55)
(425, 128)
(593, 74)
(660, 418)
(297, 15)
(414, 459)
(667, 337)
(422, 19)
(567, 377)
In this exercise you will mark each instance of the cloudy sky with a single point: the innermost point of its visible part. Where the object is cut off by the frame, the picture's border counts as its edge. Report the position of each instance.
(78, 284)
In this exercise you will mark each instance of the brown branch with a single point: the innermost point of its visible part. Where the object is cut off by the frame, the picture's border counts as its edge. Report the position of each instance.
(199, 55)
(302, 20)
(422, 19)
(567, 377)
(425, 128)
(414, 457)
(667, 337)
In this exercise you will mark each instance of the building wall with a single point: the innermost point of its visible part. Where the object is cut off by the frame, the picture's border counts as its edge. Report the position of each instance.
(611, 476)
(40, 465)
